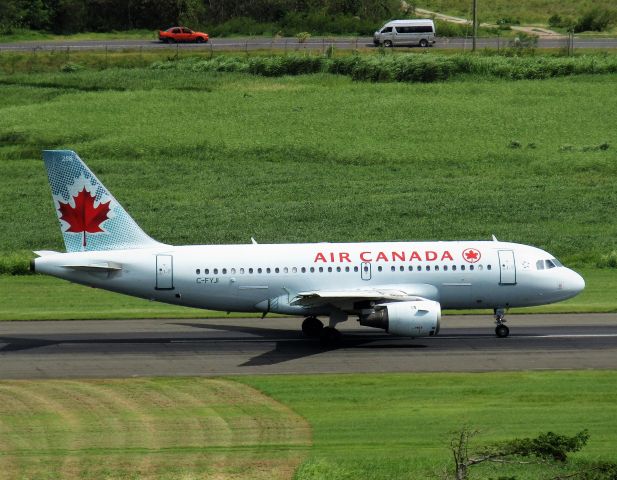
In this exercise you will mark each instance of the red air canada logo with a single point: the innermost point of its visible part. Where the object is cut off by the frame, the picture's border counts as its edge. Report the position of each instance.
(471, 255)
(84, 217)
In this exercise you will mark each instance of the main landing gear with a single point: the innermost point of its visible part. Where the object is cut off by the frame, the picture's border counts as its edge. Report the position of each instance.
(501, 330)
(312, 327)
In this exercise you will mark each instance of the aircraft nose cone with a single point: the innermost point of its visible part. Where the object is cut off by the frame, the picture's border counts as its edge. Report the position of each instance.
(574, 283)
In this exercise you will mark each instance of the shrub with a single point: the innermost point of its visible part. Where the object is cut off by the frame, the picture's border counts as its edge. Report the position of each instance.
(596, 20)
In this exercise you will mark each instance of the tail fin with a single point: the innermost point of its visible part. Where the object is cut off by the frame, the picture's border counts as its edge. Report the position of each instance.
(90, 217)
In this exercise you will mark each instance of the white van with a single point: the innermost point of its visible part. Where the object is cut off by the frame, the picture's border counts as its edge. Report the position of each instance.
(406, 32)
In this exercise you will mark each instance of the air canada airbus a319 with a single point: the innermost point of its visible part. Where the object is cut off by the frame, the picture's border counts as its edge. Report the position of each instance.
(400, 287)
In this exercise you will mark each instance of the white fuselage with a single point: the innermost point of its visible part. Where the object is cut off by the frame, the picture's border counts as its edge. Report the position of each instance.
(266, 278)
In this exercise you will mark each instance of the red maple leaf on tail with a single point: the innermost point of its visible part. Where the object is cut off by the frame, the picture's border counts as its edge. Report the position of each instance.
(84, 217)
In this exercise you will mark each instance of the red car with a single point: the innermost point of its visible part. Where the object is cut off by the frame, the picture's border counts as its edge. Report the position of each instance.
(182, 34)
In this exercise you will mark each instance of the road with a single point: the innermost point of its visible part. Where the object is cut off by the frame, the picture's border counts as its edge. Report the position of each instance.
(285, 44)
(125, 348)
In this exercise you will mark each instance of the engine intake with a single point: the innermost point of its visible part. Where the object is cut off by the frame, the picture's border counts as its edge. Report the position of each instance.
(419, 318)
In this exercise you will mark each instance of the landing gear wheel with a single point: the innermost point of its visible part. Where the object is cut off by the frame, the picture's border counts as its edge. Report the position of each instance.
(312, 327)
(423, 43)
(502, 331)
(387, 44)
(330, 336)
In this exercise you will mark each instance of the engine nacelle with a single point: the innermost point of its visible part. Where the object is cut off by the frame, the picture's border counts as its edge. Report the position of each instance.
(419, 318)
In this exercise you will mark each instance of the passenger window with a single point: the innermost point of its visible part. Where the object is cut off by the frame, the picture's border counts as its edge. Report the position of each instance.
(250, 270)
(470, 267)
(294, 270)
(419, 268)
(347, 269)
(268, 270)
(480, 267)
(338, 269)
(387, 30)
(393, 268)
(428, 268)
(303, 269)
(197, 271)
(320, 269)
(215, 271)
(436, 268)
(445, 268)
(277, 270)
(286, 270)
(242, 271)
(233, 271)
(355, 269)
(206, 271)
(330, 269)
(224, 272)
(402, 268)
(259, 270)
(379, 268)
(175, 30)
(454, 268)
(488, 267)
(312, 269)
(462, 267)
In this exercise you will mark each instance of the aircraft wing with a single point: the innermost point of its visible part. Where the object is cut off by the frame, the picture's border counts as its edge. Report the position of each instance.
(386, 293)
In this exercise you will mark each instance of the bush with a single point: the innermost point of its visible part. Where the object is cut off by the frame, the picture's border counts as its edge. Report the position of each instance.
(596, 20)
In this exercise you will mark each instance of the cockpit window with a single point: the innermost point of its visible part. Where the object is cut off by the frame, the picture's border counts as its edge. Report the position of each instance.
(548, 264)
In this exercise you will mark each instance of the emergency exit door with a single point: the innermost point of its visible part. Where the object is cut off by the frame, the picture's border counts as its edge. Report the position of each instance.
(164, 272)
(507, 267)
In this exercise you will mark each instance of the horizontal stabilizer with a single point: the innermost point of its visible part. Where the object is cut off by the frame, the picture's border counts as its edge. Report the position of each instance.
(96, 267)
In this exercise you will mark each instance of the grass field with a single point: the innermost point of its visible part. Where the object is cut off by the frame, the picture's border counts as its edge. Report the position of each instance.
(399, 426)
(217, 158)
(360, 426)
(146, 428)
(37, 297)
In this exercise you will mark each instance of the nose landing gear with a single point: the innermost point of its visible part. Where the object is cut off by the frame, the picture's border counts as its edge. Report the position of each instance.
(501, 330)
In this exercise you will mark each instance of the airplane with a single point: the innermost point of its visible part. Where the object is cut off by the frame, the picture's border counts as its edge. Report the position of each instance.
(400, 287)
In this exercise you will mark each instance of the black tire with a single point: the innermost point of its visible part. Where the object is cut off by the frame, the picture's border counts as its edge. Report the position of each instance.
(312, 327)
(330, 337)
(171, 40)
(387, 43)
(502, 331)
(423, 43)
(199, 40)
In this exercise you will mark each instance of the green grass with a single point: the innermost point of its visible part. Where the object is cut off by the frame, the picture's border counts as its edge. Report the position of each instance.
(378, 426)
(526, 11)
(399, 425)
(203, 157)
(22, 35)
(37, 297)
(146, 428)
(214, 157)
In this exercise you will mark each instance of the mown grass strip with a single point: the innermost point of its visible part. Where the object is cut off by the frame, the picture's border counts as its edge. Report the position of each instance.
(146, 428)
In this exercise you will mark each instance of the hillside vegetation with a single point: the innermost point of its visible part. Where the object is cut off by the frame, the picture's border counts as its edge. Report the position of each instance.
(524, 11)
(215, 157)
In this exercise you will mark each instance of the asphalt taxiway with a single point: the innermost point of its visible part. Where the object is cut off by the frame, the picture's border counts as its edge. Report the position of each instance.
(226, 346)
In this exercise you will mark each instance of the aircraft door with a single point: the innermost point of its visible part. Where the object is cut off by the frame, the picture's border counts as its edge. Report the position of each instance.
(365, 270)
(164, 272)
(507, 267)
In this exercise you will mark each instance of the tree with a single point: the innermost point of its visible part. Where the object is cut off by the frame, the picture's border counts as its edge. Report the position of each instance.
(545, 447)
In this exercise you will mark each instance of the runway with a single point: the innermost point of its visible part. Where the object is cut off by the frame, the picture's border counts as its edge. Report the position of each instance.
(171, 347)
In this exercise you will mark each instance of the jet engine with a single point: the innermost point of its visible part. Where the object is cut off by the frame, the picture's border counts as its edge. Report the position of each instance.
(418, 318)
